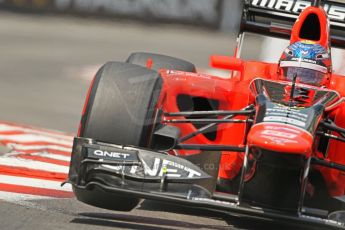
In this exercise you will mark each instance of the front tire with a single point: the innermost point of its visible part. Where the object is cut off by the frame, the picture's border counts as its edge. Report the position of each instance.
(119, 110)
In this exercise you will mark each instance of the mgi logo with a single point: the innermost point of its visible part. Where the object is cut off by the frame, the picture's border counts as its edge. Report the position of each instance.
(335, 12)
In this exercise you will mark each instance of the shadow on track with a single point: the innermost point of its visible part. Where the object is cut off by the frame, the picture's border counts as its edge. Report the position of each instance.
(234, 222)
(126, 221)
(129, 221)
(115, 221)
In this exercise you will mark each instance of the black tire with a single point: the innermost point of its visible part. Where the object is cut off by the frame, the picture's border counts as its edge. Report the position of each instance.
(119, 110)
(101, 199)
(161, 62)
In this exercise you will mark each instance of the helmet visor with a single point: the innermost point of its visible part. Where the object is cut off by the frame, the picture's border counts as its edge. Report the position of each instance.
(304, 75)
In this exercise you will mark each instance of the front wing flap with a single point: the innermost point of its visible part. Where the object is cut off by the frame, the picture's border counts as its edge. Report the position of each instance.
(138, 169)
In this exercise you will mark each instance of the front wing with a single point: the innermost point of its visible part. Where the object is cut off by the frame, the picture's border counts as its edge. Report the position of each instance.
(146, 174)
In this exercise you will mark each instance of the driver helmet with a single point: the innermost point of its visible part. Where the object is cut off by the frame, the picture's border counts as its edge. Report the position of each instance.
(310, 61)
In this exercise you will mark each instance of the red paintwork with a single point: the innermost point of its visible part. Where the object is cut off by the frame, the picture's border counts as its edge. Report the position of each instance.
(231, 96)
(234, 94)
(225, 62)
(322, 15)
(149, 63)
(285, 138)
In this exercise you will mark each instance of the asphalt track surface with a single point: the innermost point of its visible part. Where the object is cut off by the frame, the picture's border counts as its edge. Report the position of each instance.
(46, 64)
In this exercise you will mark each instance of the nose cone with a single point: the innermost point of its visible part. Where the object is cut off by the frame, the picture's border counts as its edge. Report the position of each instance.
(281, 138)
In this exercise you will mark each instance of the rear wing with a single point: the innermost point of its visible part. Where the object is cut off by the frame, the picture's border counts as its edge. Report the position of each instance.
(276, 17)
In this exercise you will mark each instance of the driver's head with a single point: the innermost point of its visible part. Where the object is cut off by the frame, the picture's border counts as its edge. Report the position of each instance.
(311, 62)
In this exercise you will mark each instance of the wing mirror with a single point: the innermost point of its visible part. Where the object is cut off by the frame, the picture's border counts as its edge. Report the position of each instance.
(226, 62)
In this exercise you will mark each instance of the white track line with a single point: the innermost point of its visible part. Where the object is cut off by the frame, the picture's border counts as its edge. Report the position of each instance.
(51, 156)
(20, 147)
(30, 164)
(34, 138)
(36, 183)
(15, 197)
(7, 127)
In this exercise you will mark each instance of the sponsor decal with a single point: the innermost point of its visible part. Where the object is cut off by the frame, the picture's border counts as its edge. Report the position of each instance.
(279, 134)
(334, 11)
(308, 52)
(172, 169)
(282, 111)
(158, 168)
(286, 120)
(279, 140)
(303, 60)
(287, 129)
(283, 114)
(309, 42)
(112, 154)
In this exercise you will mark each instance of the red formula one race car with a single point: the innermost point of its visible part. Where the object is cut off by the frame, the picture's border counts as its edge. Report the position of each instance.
(267, 142)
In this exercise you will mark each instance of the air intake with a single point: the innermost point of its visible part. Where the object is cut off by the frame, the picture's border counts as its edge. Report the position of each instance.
(311, 28)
